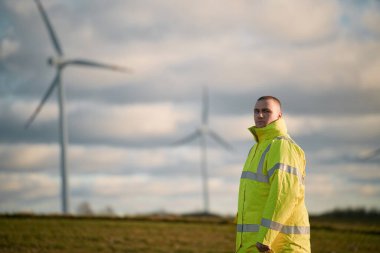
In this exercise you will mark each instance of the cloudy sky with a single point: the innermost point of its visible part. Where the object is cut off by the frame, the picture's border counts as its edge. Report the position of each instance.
(321, 58)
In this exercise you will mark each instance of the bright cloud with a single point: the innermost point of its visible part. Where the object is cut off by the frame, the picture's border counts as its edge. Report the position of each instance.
(28, 157)
(132, 121)
(27, 186)
(8, 47)
(343, 126)
(297, 21)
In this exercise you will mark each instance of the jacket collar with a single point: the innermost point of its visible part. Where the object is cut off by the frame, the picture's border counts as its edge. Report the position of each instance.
(274, 129)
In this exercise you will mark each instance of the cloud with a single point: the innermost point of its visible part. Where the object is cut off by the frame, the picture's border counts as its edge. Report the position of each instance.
(112, 160)
(97, 121)
(8, 47)
(231, 127)
(298, 21)
(23, 157)
(141, 187)
(369, 190)
(370, 19)
(132, 121)
(354, 127)
(20, 111)
(322, 185)
(370, 77)
(29, 186)
(20, 7)
(335, 190)
(156, 58)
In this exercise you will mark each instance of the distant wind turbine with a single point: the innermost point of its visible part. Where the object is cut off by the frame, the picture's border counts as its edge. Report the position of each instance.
(202, 133)
(365, 157)
(59, 63)
(368, 156)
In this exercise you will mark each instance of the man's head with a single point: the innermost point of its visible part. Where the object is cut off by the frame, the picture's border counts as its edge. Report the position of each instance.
(267, 109)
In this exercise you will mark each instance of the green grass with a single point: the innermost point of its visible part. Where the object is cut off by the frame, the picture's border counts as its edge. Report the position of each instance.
(179, 235)
(345, 235)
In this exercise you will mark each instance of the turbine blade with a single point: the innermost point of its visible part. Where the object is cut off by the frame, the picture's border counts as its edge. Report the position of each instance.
(220, 140)
(188, 138)
(52, 35)
(98, 65)
(45, 97)
(371, 155)
(205, 106)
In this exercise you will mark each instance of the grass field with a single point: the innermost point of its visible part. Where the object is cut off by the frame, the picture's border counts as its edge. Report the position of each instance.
(169, 234)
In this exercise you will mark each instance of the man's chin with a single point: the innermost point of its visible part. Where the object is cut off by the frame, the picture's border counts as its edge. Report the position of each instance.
(260, 125)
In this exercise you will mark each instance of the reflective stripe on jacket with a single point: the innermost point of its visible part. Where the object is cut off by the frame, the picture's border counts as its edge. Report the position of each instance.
(271, 208)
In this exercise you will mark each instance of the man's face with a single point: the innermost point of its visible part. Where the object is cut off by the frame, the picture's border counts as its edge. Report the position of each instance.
(266, 111)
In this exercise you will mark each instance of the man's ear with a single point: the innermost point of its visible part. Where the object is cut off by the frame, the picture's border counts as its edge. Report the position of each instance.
(280, 115)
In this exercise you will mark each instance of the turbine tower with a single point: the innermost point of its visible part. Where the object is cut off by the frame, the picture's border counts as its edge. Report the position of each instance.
(202, 132)
(59, 63)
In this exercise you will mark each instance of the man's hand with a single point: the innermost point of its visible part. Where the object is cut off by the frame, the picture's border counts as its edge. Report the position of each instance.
(262, 247)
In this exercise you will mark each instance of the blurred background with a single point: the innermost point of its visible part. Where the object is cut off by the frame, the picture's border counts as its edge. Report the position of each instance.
(320, 58)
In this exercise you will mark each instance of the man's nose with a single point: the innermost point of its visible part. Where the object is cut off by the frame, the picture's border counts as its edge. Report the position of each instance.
(260, 115)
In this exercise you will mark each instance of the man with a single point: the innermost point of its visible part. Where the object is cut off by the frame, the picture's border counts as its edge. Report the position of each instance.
(272, 216)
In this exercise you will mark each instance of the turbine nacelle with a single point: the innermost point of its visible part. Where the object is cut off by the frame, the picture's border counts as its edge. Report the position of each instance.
(204, 129)
(55, 61)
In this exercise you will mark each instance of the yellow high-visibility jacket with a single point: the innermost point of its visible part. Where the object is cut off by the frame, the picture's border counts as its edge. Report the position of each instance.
(271, 208)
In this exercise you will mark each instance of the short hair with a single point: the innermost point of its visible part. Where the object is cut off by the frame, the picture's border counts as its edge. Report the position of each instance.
(270, 97)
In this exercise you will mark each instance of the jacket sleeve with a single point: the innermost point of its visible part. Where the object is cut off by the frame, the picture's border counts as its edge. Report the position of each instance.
(285, 163)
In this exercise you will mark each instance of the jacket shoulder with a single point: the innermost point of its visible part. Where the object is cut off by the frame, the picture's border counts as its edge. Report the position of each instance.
(286, 143)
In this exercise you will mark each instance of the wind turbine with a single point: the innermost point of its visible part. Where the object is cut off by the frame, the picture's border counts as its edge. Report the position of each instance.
(364, 157)
(369, 155)
(202, 132)
(59, 63)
